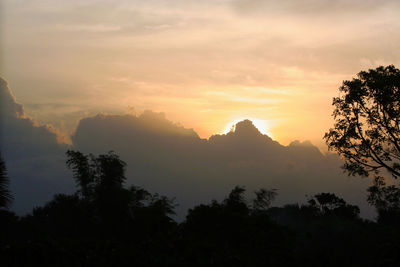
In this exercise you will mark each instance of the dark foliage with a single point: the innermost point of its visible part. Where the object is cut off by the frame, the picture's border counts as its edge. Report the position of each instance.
(233, 234)
(386, 200)
(366, 132)
(328, 204)
(106, 224)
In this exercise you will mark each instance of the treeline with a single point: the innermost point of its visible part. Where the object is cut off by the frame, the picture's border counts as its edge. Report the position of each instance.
(107, 224)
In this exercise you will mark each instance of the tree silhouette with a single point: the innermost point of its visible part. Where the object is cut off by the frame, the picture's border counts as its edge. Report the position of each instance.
(263, 199)
(386, 200)
(236, 203)
(382, 196)
(330, 204)
(5, 194)
(367, 122)
(110, 170)
(101, 179)
(91, 173)
(83, 172)
(101, 187)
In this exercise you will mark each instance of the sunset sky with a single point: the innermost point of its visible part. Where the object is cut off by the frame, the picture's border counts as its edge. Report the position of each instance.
(206, 64)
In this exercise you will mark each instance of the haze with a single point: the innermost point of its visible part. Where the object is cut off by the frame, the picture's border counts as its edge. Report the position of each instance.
(196, 96)
(206, 64)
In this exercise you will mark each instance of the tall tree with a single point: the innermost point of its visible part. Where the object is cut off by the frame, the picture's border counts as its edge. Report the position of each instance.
(104, 172)
(5, 194)
(82, 171)
(366, 131)
(110, 170)
(101, 179)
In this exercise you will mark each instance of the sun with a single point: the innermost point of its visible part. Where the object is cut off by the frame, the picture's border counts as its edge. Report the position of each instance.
(262, 125)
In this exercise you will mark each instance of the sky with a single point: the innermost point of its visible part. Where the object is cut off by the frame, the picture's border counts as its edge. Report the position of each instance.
(206, 64)
(166, 158)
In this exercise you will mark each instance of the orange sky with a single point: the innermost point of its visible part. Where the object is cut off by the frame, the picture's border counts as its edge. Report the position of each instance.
(206, 64)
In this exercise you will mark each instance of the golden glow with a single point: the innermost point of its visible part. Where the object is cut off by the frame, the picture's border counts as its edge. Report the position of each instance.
(203, 69)
(261, 125)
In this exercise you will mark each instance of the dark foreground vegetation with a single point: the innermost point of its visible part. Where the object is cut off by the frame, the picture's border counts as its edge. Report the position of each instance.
(107, 224)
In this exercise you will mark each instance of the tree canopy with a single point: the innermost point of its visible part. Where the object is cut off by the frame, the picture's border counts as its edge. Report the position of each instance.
(366, 131)
(101, 192)
(107, 224)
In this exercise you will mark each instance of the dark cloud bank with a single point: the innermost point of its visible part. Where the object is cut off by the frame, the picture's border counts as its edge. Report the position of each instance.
(34, 158)
(169, 159)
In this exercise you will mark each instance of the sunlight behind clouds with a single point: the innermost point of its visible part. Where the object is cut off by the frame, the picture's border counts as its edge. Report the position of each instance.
(203, 63)
(262, 125)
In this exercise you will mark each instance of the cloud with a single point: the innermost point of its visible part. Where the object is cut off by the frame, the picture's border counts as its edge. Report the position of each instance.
(170, 56)
(34, 155)
(9, 108)
(167, 158)
(96, 28)
(170, 159)
(310, 7)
